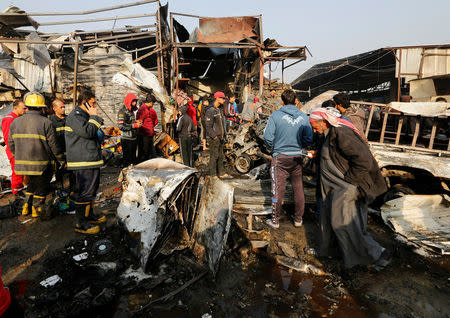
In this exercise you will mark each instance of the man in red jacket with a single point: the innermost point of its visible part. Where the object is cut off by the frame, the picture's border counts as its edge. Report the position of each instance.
(147, 116)
(19, 109)
(191, 111)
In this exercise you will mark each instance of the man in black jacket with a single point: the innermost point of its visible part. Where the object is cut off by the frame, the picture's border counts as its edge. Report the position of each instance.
(128, 125)
(186, 130)
(84, 157)
(215, 132)
(207, 103)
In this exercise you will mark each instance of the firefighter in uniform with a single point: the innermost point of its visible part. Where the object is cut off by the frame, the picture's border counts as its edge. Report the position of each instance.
(59, 122)
(128, 126)
(32, 140)
(84, 157)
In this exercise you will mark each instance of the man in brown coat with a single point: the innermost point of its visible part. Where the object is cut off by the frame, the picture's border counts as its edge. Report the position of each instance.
(350, 179)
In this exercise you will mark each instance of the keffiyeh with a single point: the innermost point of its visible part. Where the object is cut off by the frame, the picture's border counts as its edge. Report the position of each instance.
(331, 118)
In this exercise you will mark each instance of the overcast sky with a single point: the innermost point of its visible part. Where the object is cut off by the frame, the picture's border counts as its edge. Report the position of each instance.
(331, 29)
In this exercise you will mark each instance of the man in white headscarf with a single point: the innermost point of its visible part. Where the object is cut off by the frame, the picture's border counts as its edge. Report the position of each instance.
(349, 180)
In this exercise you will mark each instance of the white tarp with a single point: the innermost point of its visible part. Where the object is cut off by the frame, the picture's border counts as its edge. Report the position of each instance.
(426, 109)
(317, 101)
(422, 219)
(134, 76)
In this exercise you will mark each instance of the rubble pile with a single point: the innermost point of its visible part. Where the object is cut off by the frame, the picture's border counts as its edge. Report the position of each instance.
(85, 276)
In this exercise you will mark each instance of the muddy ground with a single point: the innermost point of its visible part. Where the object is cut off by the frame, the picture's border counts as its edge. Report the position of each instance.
(249, 282)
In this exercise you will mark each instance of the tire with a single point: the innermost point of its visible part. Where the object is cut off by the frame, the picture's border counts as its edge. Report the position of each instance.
(243, 164)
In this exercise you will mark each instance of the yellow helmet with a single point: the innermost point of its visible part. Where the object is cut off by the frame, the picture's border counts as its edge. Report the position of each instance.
(34, 99)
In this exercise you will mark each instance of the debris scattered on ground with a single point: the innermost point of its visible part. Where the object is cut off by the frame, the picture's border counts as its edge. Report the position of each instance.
(50, 281)
(299, 266)
(424, 220)
(287, 250)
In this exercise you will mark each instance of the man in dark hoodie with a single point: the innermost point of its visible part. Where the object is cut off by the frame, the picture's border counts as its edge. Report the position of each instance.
(287, 132)
(186, 130)
(128, 125)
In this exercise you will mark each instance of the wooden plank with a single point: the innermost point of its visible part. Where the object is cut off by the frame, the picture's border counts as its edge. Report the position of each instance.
(383, 128)
(369, 121)
(416, 132)
(433, 134)
(399, 131)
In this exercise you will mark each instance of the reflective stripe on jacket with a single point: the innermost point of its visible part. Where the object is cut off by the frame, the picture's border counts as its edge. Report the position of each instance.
(83, 149)
(32, 140)
(60, 128)
(125, 120)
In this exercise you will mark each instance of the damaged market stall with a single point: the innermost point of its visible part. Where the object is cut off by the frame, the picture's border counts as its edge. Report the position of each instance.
(230, 49)
(56, 64)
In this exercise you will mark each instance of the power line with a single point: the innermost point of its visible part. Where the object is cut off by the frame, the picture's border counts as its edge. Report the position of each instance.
(357, 69)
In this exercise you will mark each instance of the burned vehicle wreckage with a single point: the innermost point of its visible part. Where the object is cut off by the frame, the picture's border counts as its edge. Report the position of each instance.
(245, 145)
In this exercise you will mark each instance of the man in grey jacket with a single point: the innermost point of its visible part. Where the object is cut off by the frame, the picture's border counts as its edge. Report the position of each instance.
(85, 159)
(287, 132)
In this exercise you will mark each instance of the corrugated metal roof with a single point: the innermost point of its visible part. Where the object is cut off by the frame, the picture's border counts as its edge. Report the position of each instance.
(34, 78)
(435, 62)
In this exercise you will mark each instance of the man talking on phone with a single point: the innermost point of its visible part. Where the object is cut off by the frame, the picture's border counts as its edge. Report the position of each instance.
(84, 157)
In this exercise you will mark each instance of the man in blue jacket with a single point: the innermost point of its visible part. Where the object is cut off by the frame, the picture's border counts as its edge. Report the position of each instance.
(287, 132)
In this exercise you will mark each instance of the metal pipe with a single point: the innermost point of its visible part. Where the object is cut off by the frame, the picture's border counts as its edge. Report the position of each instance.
(261, 75)
(284, 47)
(293, 64)
(201, 17)
(399, 80)
(121, 40)
(115, 30)
(99, 19)
(270, 73)
(158, 44)
(75, 79)
(114, 37)
(160, 56)
(261, 37)
(417, 47)
(3, 40)
(133, 4)
(149, 53)
(227, 46)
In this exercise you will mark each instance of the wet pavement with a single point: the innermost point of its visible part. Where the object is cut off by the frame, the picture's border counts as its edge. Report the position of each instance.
(249, 282)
